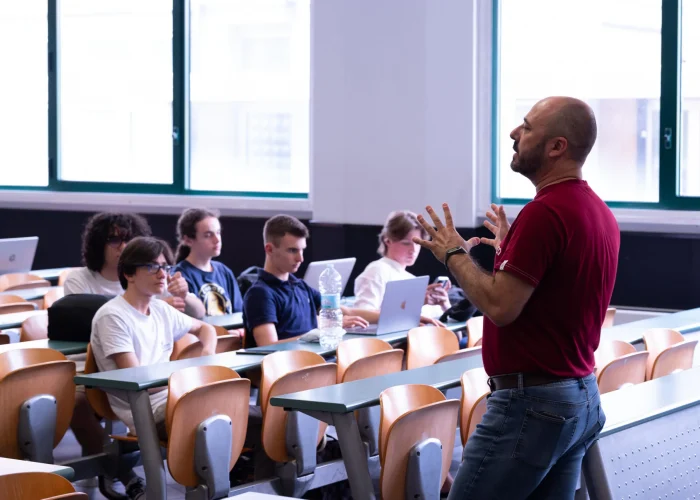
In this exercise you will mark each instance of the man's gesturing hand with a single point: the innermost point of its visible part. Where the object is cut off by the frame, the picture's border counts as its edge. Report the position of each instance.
(442, 236)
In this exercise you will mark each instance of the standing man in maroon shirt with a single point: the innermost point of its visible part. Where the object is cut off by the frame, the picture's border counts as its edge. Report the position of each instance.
(544, 306)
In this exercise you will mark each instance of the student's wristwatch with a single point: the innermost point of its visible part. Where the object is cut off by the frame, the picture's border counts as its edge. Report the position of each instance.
(453, 251)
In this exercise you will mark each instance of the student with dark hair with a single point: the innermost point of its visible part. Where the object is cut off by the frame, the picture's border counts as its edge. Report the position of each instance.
(133, 329)
(279, 305)
(104, 238)
(398, 251)
(213, 283)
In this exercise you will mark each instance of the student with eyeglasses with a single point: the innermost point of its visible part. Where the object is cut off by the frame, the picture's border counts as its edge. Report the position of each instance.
(133, 329)
(105, 236)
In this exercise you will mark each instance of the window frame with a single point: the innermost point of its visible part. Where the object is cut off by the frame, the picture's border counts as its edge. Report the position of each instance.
(670, 109)
(181, 124)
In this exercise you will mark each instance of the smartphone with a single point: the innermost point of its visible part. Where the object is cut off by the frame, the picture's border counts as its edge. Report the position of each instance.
(443, 280)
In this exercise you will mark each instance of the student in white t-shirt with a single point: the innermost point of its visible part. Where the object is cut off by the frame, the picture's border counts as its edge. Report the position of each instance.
(104, 239)
(136, 329)
(398, 252)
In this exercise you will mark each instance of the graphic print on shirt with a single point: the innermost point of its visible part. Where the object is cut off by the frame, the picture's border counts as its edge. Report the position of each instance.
(214, 299)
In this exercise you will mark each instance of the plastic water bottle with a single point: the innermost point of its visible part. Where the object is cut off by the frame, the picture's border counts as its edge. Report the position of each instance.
(331, 317)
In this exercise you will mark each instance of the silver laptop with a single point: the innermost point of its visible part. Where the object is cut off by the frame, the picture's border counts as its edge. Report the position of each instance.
(401, 307)
(343, 266)
(17, 254)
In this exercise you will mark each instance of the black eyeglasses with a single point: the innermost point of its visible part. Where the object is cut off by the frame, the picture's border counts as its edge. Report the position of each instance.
(115, 241)
(154, 268)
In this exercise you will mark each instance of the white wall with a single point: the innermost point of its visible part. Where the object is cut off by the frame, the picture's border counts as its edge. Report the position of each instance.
(393, 108)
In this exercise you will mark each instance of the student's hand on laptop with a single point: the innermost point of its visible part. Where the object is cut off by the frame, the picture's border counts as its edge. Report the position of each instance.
(177, 302)
(177, 286)
(424, 320)
(354, 321)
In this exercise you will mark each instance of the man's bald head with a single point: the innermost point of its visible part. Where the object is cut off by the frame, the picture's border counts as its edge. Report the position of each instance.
(573, 119)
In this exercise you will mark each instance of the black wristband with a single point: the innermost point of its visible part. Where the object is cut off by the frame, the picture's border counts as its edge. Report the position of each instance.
(453, 251)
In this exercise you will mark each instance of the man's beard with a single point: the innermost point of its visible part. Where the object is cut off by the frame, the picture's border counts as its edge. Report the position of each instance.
(527, 163)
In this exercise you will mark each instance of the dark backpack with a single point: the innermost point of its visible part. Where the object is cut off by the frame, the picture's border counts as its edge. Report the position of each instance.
(248, 278)
(462, 309)
(70, 317)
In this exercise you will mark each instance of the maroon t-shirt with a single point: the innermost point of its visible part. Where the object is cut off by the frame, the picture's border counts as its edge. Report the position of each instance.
(565, 243)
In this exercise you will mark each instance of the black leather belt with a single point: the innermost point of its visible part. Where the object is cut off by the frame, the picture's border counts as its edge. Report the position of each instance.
(511, 381)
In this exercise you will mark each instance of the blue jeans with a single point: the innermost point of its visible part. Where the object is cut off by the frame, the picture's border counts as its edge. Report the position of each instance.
(531, 442)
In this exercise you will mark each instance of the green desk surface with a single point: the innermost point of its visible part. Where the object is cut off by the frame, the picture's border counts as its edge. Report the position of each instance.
(14, 320)
(228, 321)
(49, 274)
(351, 396)
(294, 345)
(11, 466)
(684, 321)
(146, 377)
(31, 293)
(62, 346)
(639, 403)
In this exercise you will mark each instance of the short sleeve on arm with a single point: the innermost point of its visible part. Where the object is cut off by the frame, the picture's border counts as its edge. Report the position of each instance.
(532, 243)
(369, 290)
(115, 336)
(181, 323)
(73, 283)
(259, 307)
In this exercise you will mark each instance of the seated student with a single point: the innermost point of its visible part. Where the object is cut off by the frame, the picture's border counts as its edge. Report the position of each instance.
(134, 330)
(104, 238)
(279, 305)
(398, 252)
(199, 236)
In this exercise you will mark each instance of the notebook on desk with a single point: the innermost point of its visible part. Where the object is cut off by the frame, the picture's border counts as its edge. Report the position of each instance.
(401, 307)
(17, 254)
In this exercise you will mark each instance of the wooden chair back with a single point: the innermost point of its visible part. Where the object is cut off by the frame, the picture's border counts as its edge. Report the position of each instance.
(427, 344)
(611, 349)
(400, 399)
(437, 419)
(10, 299)
(656, 340)
(195, 394)
(674, 358)
(34, 486)
(34, 328)
(64, 274)
(17, 307)
(609, 317)
(280, 363)
(181, 344)
(475, 389)
(224, 343)
(52, 296)
(628, 369)
(467, 353)
(25, 373)
(21, 281)
(96, 397)
(352, 350)
(475, 329)
(274, 426)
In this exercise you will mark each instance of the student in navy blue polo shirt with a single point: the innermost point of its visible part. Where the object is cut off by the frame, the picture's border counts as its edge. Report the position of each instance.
(279, 305)
(199, 233)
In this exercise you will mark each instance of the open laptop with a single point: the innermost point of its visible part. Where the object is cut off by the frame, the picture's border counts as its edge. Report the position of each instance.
(343, 266)
(401, 307)
(17, 254)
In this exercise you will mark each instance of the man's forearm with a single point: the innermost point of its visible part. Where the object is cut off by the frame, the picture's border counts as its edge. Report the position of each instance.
(476, 284)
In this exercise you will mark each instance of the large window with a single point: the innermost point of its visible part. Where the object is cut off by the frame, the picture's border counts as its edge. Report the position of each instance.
(24, 157)
(249, 95)
(620, 56)
(156, 96)
(116, 90)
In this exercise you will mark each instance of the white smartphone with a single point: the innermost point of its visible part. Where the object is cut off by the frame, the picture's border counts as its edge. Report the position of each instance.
(443, 280)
